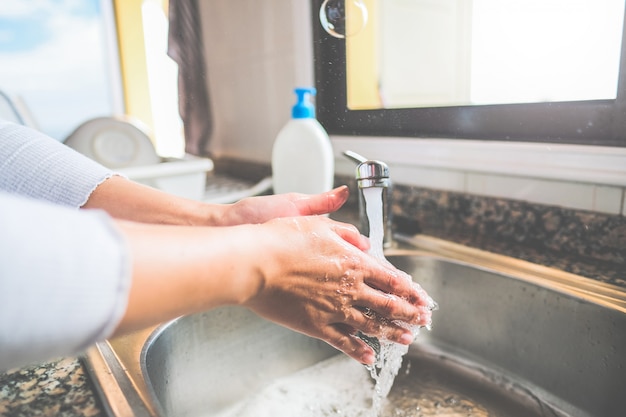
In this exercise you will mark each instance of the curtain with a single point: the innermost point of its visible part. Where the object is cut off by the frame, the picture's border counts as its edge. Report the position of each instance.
(186, 49)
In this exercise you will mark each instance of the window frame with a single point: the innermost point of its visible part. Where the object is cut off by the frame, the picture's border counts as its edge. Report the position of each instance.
(593, 122)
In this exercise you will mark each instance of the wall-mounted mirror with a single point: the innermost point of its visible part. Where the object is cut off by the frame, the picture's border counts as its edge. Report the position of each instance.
(533, 70)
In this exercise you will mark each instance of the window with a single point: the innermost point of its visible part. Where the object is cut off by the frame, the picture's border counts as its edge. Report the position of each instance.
(588, 122)
(63, 64)
(59, 61)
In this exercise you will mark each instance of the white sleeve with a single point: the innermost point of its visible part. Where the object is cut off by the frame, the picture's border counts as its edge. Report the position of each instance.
(35, 165)
(64, 279)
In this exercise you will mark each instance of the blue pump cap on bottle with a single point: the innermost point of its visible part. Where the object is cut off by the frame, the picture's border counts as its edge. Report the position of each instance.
(303, 108)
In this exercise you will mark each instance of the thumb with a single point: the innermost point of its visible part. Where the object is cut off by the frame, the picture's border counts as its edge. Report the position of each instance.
(351, 234)
(323, 203)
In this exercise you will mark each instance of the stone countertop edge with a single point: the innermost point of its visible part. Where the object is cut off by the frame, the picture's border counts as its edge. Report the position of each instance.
(59, 388)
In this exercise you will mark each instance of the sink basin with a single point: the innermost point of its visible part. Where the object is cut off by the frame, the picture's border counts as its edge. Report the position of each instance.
(510, 339)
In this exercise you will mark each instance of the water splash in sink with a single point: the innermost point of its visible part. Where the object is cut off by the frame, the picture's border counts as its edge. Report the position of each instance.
(443, 388)
(338, 386)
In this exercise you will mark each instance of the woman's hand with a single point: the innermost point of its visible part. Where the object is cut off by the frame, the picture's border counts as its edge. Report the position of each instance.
(318, 280)
(128, 200)
(263, 208)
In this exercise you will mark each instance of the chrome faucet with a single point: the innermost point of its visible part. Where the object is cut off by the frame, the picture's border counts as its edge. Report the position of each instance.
(369, 174)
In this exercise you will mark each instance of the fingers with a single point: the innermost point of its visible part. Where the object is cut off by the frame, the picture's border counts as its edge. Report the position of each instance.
(391, 308)
(387, 304)
(383, 276)
(351, 234)
(342, 337)
(390, 280)
(373, 324)
(324, 203)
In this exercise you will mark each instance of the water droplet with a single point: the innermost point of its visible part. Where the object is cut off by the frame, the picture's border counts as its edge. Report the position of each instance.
(343, 18)
(451, 401)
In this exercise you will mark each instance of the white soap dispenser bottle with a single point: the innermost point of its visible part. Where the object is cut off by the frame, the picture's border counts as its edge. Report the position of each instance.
(302, 157)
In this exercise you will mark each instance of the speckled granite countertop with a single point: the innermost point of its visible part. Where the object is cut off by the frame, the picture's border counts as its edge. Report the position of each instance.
(59, 388)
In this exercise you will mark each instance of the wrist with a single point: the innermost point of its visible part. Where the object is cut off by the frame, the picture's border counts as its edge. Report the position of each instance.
(197, 213)
(244, 261)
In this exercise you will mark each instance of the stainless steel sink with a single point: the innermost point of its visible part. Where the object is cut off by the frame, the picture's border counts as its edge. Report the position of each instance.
(510, 339)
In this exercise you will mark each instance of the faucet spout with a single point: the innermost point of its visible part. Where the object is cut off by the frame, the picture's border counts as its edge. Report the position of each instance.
(370, 174)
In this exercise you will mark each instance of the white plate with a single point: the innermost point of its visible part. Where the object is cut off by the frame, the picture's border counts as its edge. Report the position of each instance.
(113, 142)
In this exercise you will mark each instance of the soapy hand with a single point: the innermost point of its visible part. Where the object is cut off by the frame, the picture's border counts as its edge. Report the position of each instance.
(319, 280)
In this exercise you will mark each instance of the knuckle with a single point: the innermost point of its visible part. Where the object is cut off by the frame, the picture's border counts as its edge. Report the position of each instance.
(394, 282)
(351, 316)
(373, 327)
(351, 263)
(390, 306)
(341, 342)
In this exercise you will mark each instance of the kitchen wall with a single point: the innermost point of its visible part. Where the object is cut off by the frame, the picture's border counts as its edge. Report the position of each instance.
(257, 52)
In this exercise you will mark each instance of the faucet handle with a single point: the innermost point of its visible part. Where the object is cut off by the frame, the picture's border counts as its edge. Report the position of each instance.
(359, 159)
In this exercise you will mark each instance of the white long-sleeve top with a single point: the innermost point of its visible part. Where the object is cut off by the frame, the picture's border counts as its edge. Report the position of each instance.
(64, 273)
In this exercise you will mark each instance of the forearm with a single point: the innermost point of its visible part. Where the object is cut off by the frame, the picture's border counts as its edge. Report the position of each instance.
(183, 270)
(127, 200)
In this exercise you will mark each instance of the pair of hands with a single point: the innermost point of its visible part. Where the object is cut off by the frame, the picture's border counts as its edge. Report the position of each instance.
(276, 255)
(318, 278)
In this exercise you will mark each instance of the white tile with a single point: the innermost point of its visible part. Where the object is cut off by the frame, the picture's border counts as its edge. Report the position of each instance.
(608, 199)
(440, 179)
